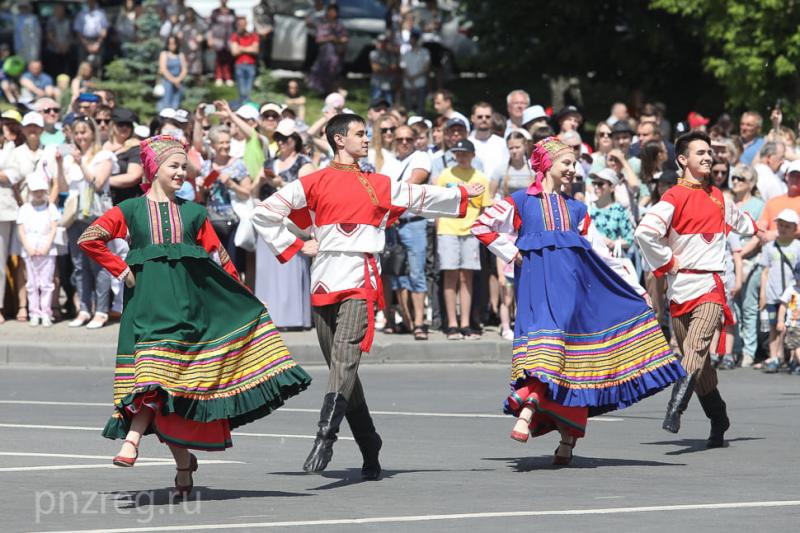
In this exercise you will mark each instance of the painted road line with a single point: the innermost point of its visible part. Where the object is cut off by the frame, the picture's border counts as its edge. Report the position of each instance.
(301, 410)
(236, 433)
(71, 456)
(442, 517)
(92, 466)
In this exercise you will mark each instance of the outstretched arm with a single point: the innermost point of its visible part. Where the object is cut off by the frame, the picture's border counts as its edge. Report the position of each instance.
(270, 215)
(495, 225)
(618, 265)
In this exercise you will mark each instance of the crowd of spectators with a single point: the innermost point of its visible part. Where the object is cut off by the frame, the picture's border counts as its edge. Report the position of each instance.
(69, 152)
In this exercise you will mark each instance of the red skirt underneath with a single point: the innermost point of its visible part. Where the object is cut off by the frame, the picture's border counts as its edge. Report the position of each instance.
(546, 412)
(175, 430)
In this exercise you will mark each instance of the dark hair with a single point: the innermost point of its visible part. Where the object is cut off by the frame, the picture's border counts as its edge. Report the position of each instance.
(102, 108)
(542, 132)
(682, 143)
(339, 125)
(498, 124)
(447, 95)
(298, 141)
(720, 161)
(15, 128)
(649, 157)
(482, 103)
(177, 44)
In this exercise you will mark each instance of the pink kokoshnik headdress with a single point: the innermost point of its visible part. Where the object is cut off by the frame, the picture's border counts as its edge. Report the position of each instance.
(154, 151)
(544, 152)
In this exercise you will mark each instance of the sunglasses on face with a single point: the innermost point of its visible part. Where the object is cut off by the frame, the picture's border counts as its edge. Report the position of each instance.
(103, 121)
(719, 172)
(387, 130)
(270, 116)
(604, 134)
(49, 110)
(599, 184)
(404, 139)
(739, 178)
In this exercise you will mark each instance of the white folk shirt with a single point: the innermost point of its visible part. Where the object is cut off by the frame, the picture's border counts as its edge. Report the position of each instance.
(690, 225)
(349, 212)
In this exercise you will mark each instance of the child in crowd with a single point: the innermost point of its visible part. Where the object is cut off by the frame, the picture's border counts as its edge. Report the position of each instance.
(778, 259)
(611, 219)
(789, 320)
(459, 251)
(37, 222)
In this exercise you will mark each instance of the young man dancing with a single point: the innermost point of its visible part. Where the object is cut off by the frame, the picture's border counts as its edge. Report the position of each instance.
(683, 237)
(349, 211)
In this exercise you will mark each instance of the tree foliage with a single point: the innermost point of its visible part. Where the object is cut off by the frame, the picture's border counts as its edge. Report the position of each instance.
(752, 47)
(616, 48)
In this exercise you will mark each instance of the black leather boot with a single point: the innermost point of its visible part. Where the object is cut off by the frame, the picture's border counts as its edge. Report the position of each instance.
(368, 440)
(681, 394)
(334, 406)
(715, 409)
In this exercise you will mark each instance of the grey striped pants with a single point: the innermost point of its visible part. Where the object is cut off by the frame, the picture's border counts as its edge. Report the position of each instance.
(340, 329)
(694, 332)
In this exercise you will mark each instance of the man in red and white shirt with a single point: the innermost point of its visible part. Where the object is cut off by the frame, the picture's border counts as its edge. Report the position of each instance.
(349, 211)
(683, 237)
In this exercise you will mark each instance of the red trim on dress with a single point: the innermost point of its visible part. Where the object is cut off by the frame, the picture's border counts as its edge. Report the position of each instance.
(462, 206)
(659, 272)
(290, 251)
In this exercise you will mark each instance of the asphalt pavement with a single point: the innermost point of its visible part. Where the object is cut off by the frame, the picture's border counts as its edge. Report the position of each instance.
(449, 464)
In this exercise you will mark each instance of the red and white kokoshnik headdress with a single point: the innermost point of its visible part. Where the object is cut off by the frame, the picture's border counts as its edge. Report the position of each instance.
(544, 152)
(156, 150)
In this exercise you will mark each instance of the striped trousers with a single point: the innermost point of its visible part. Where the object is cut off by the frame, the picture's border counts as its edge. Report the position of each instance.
(694, 332)
(340, 329)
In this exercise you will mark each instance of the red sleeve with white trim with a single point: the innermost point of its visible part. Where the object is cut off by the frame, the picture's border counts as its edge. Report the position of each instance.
(494, 227)
(207, 238)
(93, 241)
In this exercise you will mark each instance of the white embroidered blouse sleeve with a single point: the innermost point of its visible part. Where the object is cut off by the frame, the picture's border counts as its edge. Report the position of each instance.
(270, 219)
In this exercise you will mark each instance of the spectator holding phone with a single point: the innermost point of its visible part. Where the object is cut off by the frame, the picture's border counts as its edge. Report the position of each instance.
(222, 177)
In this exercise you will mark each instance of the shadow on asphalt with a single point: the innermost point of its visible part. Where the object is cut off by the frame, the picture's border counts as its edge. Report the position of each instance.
(694, 445)
(351, 476)
(135, 499)
(528, 464)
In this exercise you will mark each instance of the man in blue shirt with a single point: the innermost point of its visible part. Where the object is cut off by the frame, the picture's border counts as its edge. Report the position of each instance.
(749, 130)
(37, 84)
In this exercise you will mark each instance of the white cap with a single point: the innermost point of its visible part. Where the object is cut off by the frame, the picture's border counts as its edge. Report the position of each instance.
(334, 101)
(532, 113)
(286, 127)
(788, 215)
(247, 112)
(413, 120)
(168, 113)
(33, 118)
(606, 174)
(522, 132)
(182, 116)
(271, 106)
(794, 166)
(141, 131)
(37, 182)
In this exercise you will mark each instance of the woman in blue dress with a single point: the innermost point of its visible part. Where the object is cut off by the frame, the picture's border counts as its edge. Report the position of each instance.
(586, 342)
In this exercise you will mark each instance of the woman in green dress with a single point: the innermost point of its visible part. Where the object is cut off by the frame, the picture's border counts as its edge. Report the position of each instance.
(197, 353)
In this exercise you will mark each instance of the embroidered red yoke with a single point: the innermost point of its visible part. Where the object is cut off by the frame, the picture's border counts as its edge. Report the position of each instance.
(114, 226)
(689, 225)
(349, 211)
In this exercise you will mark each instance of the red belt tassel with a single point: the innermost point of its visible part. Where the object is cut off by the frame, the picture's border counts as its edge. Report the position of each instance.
(373, 296)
